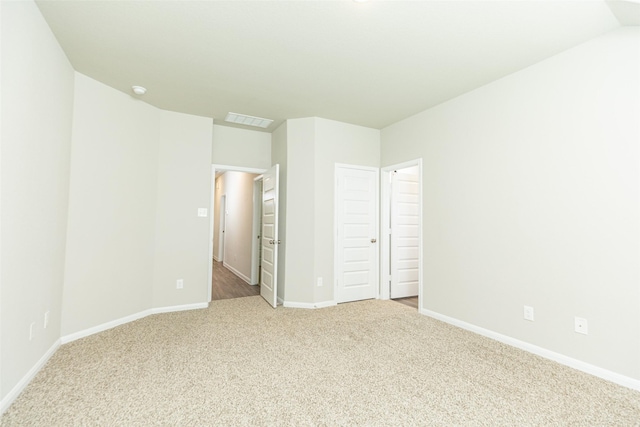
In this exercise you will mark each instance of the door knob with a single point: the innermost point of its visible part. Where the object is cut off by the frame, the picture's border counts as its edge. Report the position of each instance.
(373, 240)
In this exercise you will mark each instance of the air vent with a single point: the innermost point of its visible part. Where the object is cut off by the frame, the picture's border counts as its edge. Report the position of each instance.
(242, 119)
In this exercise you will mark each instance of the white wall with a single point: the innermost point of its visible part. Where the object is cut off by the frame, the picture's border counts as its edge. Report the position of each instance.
(299, 186)
(138, 177)
(37, 104)
(238, 189)
(531, 198)
(336, 142)
(241, 147)
(313, 147)
(112, 207)
(183, 186)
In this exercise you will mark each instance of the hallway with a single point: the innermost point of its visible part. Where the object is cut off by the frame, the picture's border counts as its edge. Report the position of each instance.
(226, 285)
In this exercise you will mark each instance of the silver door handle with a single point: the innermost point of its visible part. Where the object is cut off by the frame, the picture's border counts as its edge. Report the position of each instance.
(274, 242)
(373, 240)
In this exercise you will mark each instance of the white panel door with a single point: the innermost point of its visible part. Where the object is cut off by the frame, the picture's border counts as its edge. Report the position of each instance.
(357, 234)
(405, 211)
(269, 262)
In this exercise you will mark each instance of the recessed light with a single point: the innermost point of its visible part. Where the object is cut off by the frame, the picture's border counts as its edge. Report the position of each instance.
(243, 119)
(139, 90)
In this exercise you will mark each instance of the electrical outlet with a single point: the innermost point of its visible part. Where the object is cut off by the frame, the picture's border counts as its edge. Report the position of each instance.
(31, 328)
(581, 326)
(179, 284)
(46, 319)
(528, 313)
(319, 281)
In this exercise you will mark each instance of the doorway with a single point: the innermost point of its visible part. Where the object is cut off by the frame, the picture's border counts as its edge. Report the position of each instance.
(233, 230)
(402, 233)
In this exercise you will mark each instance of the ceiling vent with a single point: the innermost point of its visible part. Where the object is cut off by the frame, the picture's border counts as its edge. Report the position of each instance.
(241, 119)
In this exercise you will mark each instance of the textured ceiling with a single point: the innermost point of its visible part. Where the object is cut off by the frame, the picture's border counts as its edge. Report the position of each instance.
(370, 64)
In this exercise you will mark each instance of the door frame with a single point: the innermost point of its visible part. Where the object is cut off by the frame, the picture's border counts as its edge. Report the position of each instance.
(336, 228)
(212, 205)
(385, 221)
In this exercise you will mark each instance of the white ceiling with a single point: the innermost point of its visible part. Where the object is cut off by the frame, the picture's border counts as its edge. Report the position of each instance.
(370, 64)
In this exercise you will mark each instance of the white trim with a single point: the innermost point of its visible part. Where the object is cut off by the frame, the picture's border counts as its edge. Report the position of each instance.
(24, 381)
(543, 352)
(19, 387)
(174, 308)
(212, 194)
(385, 242)
(308, 305)
(236, 272)
(357, 167)
(218, 260)
(325, 304)
(104, 326)
(280, 301)
(385, 216)
(228, 168)
(127, 319)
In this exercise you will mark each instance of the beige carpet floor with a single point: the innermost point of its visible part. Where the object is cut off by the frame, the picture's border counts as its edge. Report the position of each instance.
(371, 363)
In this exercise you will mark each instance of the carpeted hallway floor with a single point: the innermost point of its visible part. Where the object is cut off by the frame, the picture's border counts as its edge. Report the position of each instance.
(374, 363)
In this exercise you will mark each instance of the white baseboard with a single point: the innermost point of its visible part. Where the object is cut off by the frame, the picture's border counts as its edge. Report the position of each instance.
(175, 308)
(112, 324)
(308, 305)
(280, 301)
(543, 352)
(324, 304)
(104, 326)
(216, 258)
(237, 273)
(17, 389)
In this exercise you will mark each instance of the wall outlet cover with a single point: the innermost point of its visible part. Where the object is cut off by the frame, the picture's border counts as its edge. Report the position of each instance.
(528, 313)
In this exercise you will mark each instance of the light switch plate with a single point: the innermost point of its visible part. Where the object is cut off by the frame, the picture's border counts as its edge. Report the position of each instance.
(202, 212)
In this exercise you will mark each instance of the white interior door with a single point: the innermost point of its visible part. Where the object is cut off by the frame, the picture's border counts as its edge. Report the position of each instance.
(357, 234)
(269, 262)
(223, 225)
(405, 211)
(256, 244)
